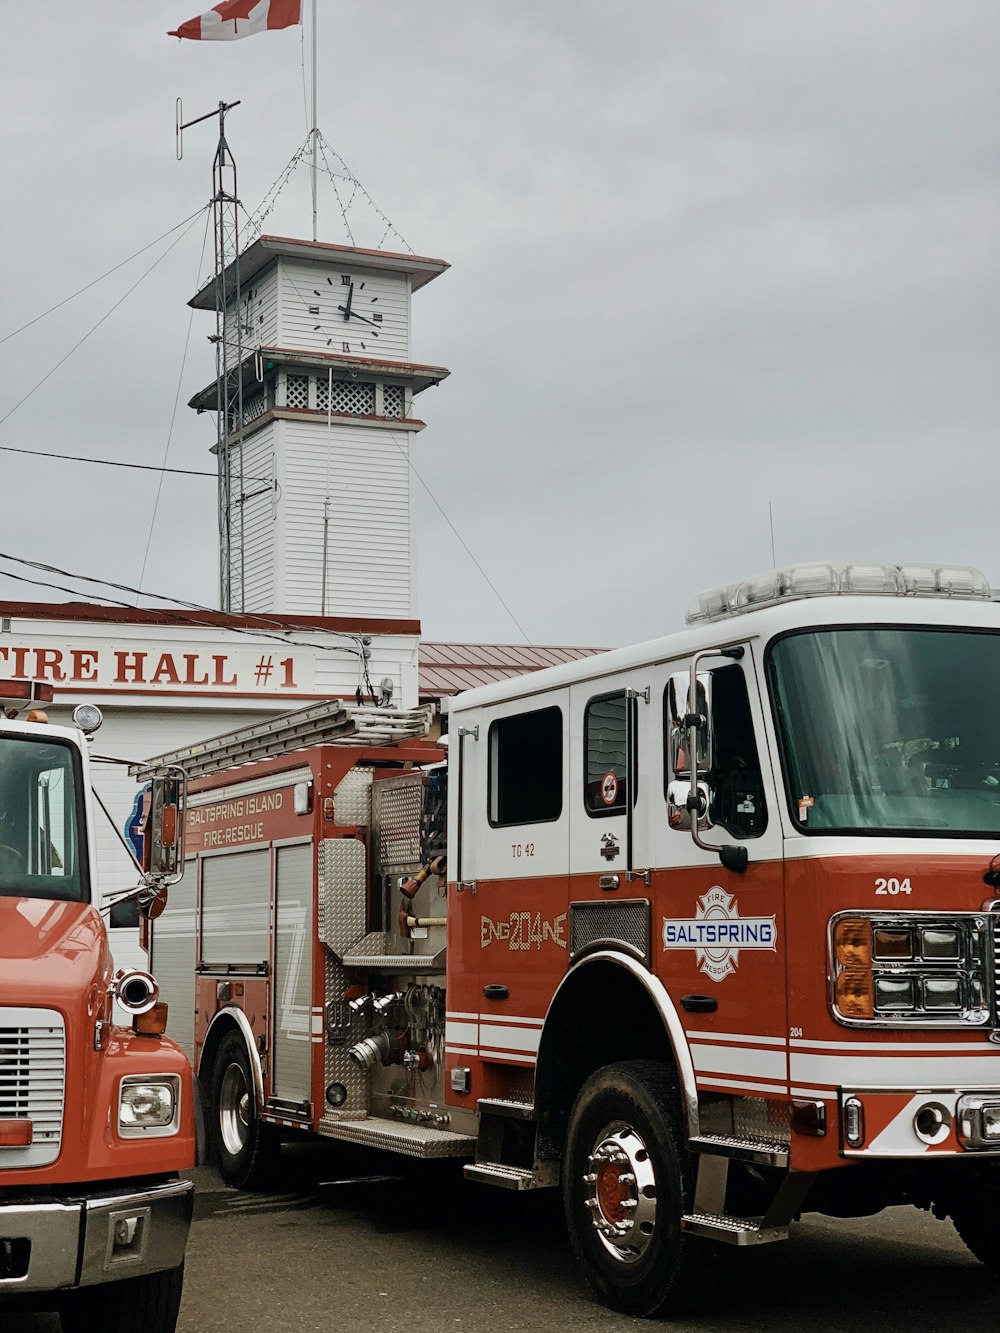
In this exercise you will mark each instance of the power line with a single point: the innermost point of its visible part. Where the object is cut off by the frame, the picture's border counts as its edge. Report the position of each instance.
(79, 343)
(178, 616)
(110, 462)
(66, 299)
(464, 544)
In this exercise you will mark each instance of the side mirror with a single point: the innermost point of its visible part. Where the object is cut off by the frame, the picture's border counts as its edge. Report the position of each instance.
(151, 902)
(678, 814)
(163, 831)
(678, 701)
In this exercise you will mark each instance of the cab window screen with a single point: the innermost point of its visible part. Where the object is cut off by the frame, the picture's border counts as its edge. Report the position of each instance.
(526, 767)
(605, 788)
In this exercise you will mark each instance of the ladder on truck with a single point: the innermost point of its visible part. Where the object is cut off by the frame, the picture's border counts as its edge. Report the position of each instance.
(331, 722)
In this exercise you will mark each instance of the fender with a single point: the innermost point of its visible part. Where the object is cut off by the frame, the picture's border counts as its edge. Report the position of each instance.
(664, 1007)
(230, 1011)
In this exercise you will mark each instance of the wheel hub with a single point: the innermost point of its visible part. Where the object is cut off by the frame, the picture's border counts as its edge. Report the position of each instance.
(621, 1192)
(234, 1110)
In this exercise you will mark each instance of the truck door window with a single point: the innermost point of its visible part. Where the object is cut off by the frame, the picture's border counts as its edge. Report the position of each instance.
(734, 778)
(41, 813)
(605, 782)
(526, 768)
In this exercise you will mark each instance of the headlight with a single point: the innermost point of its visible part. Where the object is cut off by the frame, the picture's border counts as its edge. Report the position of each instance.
(904, 969)
(149, 1106)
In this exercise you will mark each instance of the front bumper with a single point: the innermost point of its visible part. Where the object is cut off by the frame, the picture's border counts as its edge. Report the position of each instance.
(883, 1122)
(93, 1237)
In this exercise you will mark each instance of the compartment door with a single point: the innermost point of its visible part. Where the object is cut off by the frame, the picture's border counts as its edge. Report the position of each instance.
(291, 991)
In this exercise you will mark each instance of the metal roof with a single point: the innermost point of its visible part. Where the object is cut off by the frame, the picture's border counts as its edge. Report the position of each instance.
(450, 668)
(268, 248)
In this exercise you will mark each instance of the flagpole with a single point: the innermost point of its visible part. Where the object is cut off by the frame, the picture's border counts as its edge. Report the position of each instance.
(315, 121)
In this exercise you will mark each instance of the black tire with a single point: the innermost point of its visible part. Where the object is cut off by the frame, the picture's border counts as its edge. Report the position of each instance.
(150, 1303)
(244, 1146)
(627, 1181)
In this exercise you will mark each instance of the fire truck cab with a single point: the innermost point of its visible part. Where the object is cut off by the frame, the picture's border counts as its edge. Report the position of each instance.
(715, 942)
(96, 1120)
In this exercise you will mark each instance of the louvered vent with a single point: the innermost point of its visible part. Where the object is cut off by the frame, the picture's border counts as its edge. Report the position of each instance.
(624, 924)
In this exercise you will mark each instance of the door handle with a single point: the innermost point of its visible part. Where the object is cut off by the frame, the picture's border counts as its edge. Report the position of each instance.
(494, 991)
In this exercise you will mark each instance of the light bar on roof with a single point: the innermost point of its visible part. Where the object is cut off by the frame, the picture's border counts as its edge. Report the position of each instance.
(827, 580)
(21, 694)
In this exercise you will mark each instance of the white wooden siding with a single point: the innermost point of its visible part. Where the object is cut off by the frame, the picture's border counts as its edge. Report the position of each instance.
(297, 328)
(366, 473)
(263, 319)
(258, 523)
(260, 313)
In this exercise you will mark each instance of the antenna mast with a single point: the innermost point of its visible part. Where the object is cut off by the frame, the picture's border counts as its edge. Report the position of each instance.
(228, 341)
(315, 123)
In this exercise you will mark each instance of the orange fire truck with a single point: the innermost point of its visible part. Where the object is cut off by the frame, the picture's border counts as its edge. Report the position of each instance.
(705, 932)
(96, 1120)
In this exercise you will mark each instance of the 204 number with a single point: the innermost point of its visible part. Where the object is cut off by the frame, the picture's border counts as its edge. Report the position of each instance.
(893, 886)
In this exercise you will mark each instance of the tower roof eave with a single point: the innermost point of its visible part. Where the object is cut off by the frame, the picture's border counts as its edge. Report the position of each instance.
(266, 249)
(419, 376)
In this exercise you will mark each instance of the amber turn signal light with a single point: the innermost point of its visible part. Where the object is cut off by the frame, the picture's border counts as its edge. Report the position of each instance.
(153, 1023)
(852, 942)
(854, 995)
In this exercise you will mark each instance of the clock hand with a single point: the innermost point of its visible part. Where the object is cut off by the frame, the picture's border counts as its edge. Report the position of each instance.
(350, 298)
(353, 314)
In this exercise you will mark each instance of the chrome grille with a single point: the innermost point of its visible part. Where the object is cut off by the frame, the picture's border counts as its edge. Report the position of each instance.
(33, 1081)
(595, 925)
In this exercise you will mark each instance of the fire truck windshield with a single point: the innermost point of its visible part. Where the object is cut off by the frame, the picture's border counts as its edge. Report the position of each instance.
(43, 850)
(890, 729)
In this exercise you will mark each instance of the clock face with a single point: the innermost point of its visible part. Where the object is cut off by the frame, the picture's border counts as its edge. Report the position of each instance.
(250, 316)
(351, 319)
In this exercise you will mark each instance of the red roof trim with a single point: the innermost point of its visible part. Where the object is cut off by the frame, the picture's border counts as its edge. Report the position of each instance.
(184, 616)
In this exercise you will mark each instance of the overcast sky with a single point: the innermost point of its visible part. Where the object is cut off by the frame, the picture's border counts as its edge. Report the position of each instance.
(707, 255)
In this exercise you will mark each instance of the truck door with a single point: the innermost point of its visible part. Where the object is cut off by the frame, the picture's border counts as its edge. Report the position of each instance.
(720, 934)
(612, 788)
(507, 942)
(610, 809)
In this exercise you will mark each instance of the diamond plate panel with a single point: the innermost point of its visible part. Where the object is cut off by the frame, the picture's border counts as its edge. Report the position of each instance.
(763, 1119)
(352, 801)
(595, 924)
(396, 807)
(338, 1066)
(342, 884)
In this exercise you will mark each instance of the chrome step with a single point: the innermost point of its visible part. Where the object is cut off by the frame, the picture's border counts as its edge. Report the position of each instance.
(765, 1152)
(398, 1136)
(395, 962)
(496, 1173)
(731, 1230)
(503, 1107)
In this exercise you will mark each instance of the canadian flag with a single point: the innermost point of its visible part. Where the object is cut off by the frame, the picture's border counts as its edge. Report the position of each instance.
(240, 18)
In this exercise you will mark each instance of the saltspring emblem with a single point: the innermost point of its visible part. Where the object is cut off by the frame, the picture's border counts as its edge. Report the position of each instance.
(717, 933)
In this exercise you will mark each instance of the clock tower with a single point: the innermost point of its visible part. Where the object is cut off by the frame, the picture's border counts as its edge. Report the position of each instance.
(319, 422)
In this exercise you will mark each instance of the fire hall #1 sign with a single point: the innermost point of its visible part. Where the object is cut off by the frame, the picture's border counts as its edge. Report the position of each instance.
(267, 668)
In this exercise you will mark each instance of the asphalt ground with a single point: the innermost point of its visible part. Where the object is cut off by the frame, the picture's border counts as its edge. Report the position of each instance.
(361, 1241)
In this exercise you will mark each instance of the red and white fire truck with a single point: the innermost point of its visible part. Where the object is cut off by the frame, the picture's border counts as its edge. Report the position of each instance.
(712, 938)
(96, 1120)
